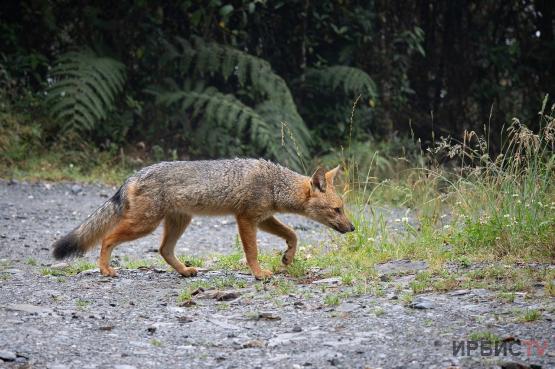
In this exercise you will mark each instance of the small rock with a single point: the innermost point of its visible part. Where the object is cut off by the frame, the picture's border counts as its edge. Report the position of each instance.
(221, 295)
(28, 308)
(332, 280)
(421, 303)
(401, 267)
(7, 355)
(106, 328)
(188, 303)
(151, 330)
(459, 293)
(347, 307)
(254, 344)
(61, 265)
(57, 366)
(11, 271)
(266, 315)
(184, 319)
(76, 189)
(297, 329)
(333, 361)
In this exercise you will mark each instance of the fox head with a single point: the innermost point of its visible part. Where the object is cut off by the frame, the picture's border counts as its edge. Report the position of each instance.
(324, 205)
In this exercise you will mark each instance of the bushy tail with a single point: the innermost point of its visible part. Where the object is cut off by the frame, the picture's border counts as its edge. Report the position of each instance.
(86, 236)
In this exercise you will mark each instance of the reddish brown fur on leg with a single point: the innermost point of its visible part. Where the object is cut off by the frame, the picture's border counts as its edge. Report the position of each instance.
(274, 226)
(247, 232)
(174, 226)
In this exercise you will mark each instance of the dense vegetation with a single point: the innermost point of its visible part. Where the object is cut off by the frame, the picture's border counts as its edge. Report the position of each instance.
(272, 78)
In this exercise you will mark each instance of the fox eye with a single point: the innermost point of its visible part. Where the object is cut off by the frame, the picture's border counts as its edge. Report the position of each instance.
(337, 210)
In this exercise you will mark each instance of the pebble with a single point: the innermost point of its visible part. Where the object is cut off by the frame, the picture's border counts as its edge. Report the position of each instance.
(28, 308)
(76, 189)
(347, 307)
(7, 355)
(332, 280)
(421, 303)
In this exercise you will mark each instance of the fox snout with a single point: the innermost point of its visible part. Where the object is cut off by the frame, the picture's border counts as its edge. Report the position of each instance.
(344, 228)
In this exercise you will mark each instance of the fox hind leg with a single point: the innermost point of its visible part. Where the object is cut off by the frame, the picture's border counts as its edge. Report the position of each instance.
(127, 230)
(273, 226)
(174, 226)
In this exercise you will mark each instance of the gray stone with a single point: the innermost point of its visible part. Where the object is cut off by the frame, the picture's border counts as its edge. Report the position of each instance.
(7, 355)
(76, 189)
(459, 292)
(421, 303)
(332, 280)
(401, 267)
(347, 307)
(28, 308)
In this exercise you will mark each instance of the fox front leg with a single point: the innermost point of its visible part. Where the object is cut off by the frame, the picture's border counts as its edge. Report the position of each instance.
(273, 226)
(247, 232)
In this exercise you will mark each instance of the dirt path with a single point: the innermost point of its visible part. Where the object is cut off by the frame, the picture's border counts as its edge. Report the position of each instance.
(136, 320)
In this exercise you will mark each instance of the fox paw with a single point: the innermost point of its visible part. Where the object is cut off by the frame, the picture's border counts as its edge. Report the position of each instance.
(287, 259)
(108, 272)
(188, 272)
(262, 274)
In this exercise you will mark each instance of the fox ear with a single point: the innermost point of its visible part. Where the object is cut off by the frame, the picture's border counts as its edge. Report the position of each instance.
(318, 180)
(330, 175)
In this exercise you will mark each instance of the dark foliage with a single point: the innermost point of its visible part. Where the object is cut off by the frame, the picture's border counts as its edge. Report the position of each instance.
(238, 69)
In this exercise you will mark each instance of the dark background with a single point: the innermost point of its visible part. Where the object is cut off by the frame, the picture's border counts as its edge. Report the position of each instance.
(435, 68)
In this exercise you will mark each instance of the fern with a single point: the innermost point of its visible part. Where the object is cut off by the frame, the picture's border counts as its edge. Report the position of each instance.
(84, 90)
(199, 60)
(352, 81)
(215, 111)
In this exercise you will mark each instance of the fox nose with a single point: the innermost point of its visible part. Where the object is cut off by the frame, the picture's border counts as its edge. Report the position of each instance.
(352, 227)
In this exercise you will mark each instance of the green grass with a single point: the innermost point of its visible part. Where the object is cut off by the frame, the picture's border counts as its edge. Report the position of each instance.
(529, 315)
(155, 342)
(192, 261)
(332, 299)
(72, 269)
(484, 336)
(82, 304)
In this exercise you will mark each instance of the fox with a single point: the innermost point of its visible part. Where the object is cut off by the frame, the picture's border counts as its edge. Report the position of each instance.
(252, 190)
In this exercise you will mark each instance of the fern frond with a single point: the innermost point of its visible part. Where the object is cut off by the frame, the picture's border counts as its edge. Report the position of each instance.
(84, 90)
(352, 81)
(216, 111)
(199, 59)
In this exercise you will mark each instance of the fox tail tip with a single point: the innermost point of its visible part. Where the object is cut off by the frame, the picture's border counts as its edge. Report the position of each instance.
(67, 246)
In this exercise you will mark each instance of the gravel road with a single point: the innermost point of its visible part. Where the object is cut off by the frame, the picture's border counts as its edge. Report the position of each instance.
(136, 320)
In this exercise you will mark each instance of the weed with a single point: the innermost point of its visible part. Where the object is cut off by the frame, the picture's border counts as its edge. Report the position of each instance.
(484, 336)
(506, 296)
(82, 304)
(406, 298)
(192, 261)
(31, 261)
(72, 269)
(530, 315)
(155, 342)
(332, 299)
